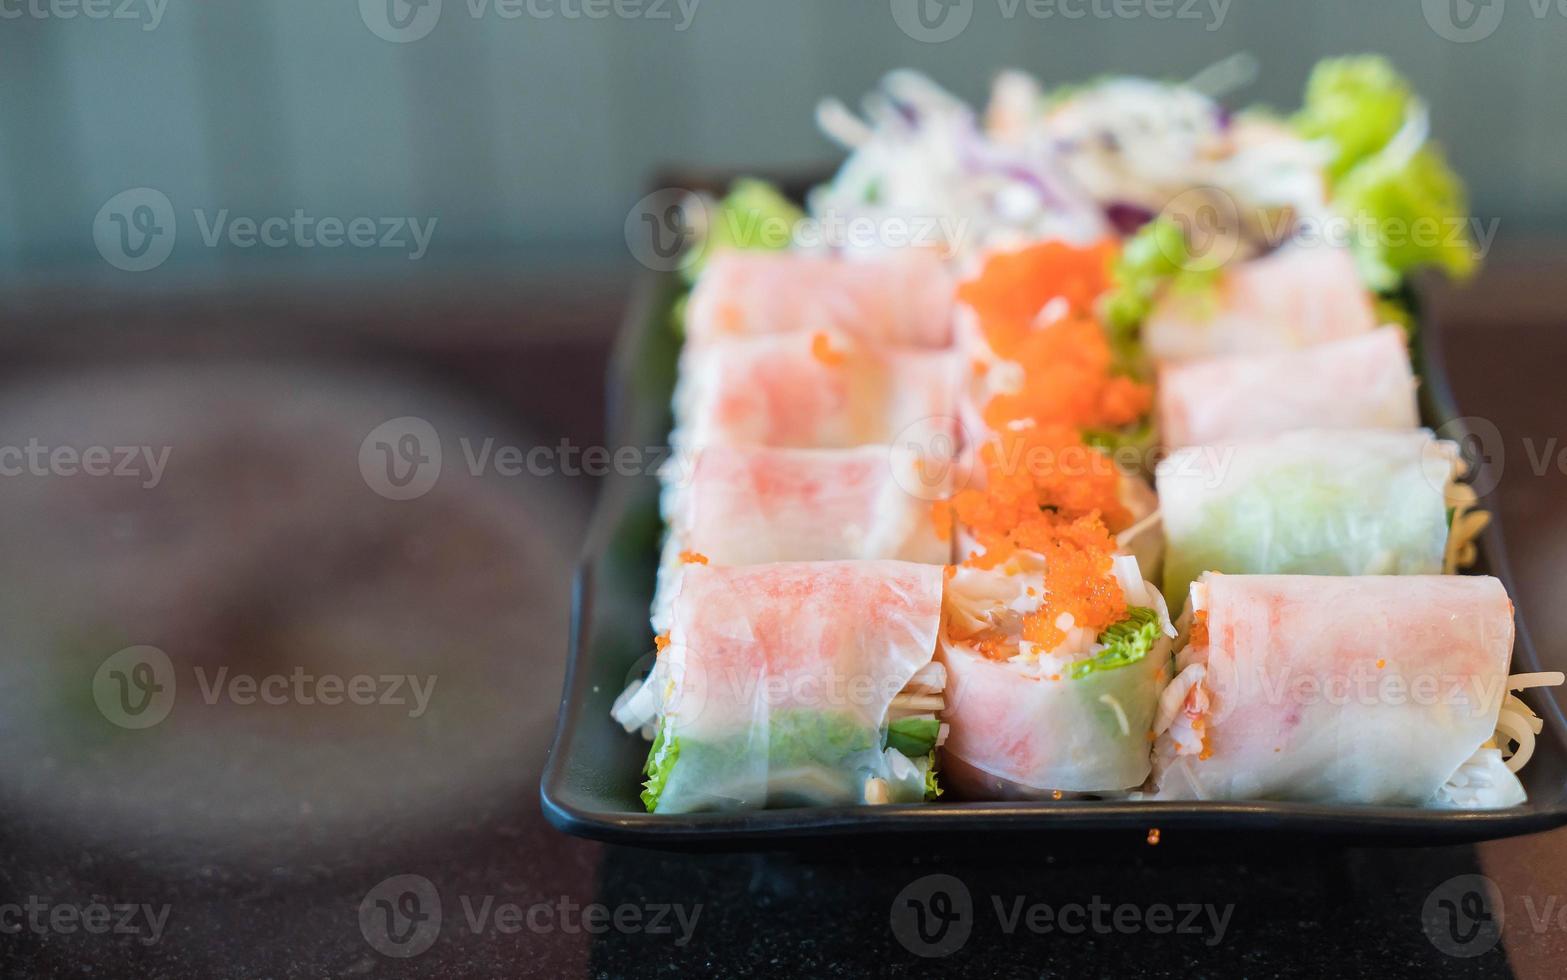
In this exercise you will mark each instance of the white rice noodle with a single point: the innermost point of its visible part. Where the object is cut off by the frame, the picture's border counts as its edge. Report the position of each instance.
(1517, 722)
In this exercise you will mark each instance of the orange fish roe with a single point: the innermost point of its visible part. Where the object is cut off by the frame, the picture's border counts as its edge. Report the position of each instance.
(1068, 378)
(1067, 362)
(1015, 286)
(1200, 628)
(692, 558)
(660, 642)
(1042, 468)
(822, 350)
(993, 645)
(1077, 579)
(1045, 490)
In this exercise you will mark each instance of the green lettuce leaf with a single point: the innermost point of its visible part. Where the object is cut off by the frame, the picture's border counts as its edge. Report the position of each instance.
(753, 215)
(1419, 211)
(1339, 515)
(1155, 259)
(1407, 207)
(659, 765)
(932, 786)
(913, 737)
(1356, 105)
(1126, 643)
(1140, 437)
(831, 747)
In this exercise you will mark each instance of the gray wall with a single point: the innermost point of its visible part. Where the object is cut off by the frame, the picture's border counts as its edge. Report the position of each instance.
(541, 131)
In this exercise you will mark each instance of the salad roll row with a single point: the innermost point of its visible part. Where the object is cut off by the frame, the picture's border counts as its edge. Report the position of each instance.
(923, 492)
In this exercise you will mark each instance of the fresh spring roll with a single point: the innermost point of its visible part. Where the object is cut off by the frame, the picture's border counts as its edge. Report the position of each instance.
(1309, 503)
(1295, 297)
(1362, 382)
(794, 684)
(810, 391)
(1028, 723)
(904, 298)
(1370, 689)
(749, 505)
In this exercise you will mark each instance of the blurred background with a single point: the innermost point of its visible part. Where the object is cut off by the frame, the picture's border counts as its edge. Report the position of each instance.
(536, 130)
(496, 148)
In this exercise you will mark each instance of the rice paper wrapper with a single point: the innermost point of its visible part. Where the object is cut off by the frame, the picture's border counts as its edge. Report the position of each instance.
(1373, 690)
(785, 391)
(1295, 297)
(1031, 730)
(1015, 734)
(901, 299)
(1364, 382)
(1309, 503)
(749, 505)
(779, 679)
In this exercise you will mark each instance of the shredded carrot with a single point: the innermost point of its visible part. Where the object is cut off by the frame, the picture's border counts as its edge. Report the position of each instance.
(693, 558)
(1200, 628)
(660, 642)
(822, 350)
(1381, 664)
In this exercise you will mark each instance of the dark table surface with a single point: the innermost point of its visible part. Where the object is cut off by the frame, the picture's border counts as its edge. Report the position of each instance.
(291, 837)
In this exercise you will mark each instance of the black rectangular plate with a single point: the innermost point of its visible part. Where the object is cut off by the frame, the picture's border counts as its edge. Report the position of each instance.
(593, 776)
